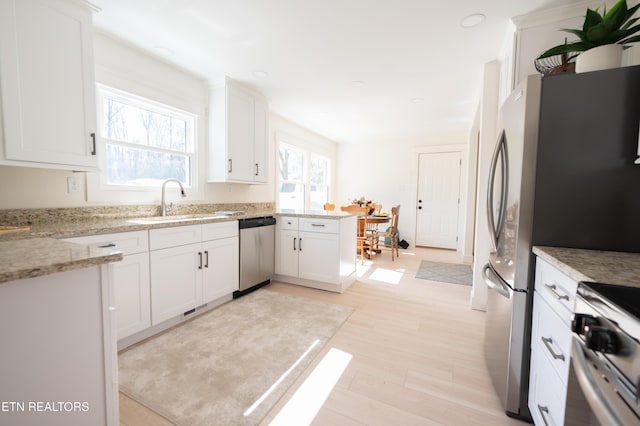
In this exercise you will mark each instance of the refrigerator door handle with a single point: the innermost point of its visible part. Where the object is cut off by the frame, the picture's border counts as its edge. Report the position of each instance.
(492, 176)
(494, 282)
(495, 228)
(504, 163)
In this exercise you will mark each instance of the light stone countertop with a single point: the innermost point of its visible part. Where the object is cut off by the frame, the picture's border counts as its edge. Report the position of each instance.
(35, 257)
(38, 252)
(593, 265)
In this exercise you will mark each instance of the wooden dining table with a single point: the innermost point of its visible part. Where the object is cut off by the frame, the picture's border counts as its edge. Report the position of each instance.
(372, 219)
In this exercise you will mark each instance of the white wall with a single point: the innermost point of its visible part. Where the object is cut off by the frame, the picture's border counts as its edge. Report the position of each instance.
(488, 121)
(387, 173)
(129, 69)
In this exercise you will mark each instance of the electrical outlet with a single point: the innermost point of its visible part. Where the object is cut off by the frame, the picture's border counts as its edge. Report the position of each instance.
(73, 185)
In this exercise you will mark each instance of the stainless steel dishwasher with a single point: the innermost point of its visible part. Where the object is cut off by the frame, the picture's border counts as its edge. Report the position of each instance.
(257, 253)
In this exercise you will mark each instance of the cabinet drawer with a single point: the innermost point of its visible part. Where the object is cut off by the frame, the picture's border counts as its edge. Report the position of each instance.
(547, 394)
(216, 231)
(126, 242)
(551, 336)
(174, 236)
(324, 226)
(287, 222)
(556, 288)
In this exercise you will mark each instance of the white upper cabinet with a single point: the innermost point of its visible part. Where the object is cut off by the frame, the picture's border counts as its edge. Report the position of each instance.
(238, 123)
(47, 84)
(530, 35)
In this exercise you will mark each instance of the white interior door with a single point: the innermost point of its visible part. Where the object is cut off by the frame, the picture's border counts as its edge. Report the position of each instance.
(438, 199)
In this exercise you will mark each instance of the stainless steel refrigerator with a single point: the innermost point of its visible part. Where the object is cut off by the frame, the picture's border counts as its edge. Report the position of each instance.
(562, 174)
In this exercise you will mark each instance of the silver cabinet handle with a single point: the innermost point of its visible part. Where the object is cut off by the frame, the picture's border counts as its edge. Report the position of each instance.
(543, 413)
(318, 224)
(108, 245)
(257, 169)
(206, 258)
(554, 289)
(294, 242)
(300, 245)
(230, 165)
(548, 341)
(200, 263)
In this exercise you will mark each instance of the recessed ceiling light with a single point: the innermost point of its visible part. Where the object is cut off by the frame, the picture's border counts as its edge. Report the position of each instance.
(162, 51)
(357, 83)
(472, 20)
(260, 74)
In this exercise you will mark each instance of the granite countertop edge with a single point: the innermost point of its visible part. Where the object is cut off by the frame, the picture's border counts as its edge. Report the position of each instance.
(610, 267)
(39, 252)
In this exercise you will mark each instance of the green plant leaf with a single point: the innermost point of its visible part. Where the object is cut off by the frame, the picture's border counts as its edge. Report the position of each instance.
(632, 11)
(578, 46)
(617, 14)
(629, 23)
(635, 39)
(591, 19)
(627, 33)
(581, 34)
(598, 33)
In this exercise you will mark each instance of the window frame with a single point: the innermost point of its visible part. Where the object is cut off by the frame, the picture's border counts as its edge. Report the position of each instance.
(103, 92)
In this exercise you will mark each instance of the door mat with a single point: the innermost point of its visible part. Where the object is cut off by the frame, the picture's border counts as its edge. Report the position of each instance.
(445, 272)
(213, 369)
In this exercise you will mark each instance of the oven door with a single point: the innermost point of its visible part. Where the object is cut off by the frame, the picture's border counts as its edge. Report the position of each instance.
(598, 382)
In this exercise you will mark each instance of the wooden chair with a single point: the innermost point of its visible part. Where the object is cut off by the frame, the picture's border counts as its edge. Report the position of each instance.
(329, 206)
(391, 233)
(364, 239)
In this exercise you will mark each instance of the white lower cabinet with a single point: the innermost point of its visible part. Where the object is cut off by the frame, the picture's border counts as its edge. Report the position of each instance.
(191, 266)
(319, 256)
(221, 271)
(130, 278)
(553, 300)
(176, 281)
(319, 253)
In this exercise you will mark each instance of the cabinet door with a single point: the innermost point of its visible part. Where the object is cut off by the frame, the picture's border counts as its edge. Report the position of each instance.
(221, 268)
(176, 281)
(261, 117)
(47, 82)
(132, 294)
(287, 253)
(240, 165)
(547, 394)
(319, 257)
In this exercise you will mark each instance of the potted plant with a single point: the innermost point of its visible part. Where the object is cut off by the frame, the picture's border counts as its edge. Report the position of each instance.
(601, 38)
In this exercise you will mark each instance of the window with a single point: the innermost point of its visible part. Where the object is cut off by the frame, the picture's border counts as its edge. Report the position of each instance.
(304, 179)
(145, 143)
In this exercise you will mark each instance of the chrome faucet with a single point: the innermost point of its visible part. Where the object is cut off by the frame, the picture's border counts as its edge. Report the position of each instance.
(163, 205)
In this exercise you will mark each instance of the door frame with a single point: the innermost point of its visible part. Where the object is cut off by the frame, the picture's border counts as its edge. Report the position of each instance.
(467, 193)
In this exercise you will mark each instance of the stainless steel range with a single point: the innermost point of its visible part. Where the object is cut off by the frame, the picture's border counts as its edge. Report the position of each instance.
(606, 351)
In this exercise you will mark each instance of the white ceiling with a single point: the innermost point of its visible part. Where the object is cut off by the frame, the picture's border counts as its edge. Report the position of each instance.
(350, 70)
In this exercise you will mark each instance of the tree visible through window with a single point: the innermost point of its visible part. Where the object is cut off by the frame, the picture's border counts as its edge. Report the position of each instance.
(304, 179)
(145, 143)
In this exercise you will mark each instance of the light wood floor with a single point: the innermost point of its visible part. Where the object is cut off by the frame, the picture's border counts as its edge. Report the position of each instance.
(416, 346)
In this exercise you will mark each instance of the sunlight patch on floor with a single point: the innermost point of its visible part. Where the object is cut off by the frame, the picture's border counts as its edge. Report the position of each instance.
(387, 276)
(305, 403)
(277, 382)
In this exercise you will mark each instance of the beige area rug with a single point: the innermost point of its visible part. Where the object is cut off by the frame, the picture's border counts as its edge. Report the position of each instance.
(210, 370)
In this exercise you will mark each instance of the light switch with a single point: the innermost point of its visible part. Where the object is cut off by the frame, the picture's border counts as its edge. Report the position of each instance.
(73, 185)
